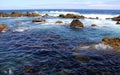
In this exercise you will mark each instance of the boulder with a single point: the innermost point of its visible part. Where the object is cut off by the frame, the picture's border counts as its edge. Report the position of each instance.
(93, 25)
(46, 15)
(118, 22)
(58, 22)
(15, 14)
(71, 16)
(62, 15)
(113, 42)
(38, 20)
(93, 18)
(2, 27)
(108, 18)
(4, 14)
(76, 24)
(116, 18)
(33, 14)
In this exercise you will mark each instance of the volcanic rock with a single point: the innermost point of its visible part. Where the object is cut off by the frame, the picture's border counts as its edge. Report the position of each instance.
(116, 18)
(118, 22)
(93, 18)
(38, 20)
(113, 42)
(58, 22)
(17, 14)
(71, 16)
(76, 24)
(46, 15)
(93, 25)
(2, 27)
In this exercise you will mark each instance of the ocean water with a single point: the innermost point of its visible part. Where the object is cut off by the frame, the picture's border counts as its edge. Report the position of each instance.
(49, 46)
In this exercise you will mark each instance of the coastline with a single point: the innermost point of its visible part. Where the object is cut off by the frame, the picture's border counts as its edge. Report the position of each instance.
(44, 47)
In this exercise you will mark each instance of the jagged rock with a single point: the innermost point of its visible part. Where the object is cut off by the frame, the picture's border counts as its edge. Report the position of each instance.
(76, 24)
(17, 14)
(93, 18)
(46, 15)
(4, 14)
(62, 15)
(58, 22)
(113, 42)
(116, 18)
(2, 27)
(93, 25)
(38, 20)
(31, 14)
(118, 22)
(108, 18)
(71, 16)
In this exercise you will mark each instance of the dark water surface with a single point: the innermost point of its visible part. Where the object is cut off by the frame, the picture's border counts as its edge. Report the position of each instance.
(49, 49)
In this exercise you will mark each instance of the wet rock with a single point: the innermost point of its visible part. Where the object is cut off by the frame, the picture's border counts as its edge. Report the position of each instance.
(62, 15)
(93, 25)
(113, 42)
(116, 18)
(4, 14)
(33, 14)
(38, 20)
(29, 69)
(66, 72)
(118, 22)
(71, 16)
(93, 18)
(46, 15)
(17, 14)
(58, 22)
(2, 27)
(87, 58)
(108, 18)
(76, 24)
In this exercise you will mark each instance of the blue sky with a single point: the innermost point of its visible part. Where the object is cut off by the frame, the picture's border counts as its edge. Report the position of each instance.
(59, 4)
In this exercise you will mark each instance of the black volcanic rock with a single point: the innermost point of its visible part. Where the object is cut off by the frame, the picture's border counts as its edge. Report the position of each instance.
(76, 24)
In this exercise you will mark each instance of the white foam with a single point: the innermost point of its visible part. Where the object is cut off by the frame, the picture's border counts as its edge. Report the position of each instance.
(99, 46)
(20, 29)
(101, 16)
(56, 13)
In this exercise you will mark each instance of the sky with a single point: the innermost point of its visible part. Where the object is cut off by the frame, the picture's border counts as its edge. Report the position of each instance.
(59, 4)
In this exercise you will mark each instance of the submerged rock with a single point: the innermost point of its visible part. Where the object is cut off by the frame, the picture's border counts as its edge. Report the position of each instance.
(116, 18)
(76, 24)
(87, 58)
(58, 22)
(93, 25)
(93, 18)
(46, 15)
(118, 22)
(2, 27)
(38, 20)
(71, 16)
(113, 42)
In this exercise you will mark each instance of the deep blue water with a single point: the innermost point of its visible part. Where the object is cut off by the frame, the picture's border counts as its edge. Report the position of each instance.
(49, 47)
(83, 11)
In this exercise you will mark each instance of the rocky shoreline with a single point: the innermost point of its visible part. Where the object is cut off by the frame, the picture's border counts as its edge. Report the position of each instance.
(50, 54)
(75, 23)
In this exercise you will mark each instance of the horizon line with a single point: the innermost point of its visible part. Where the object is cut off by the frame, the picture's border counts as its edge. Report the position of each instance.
(58, 9)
